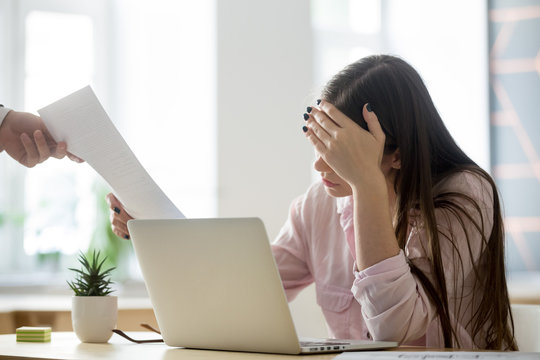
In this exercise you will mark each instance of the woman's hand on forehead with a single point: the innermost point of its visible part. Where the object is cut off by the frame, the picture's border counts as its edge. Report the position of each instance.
(343, 144)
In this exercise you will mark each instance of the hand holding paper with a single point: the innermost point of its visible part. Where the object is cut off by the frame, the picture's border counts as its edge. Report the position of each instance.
(81, 122)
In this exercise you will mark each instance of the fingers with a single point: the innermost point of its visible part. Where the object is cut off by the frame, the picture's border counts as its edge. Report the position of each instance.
(31, 156)
(319, 146)
(74, 158)
(38, 149)
(324, 120)
(329, 119)
(322, 126)
(315, 127)
(373, 124)
(339, 118)
(60, 150)
(320, 129)
(119, 227)
(46, 133)
(112, 200)
(42, 146)
(119, 217)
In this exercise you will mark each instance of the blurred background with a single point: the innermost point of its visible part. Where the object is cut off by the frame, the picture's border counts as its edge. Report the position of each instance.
(210, 95)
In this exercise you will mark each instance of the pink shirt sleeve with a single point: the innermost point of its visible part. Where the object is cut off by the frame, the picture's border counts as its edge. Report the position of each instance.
(394, 306)
(394, 303)
(290, 253)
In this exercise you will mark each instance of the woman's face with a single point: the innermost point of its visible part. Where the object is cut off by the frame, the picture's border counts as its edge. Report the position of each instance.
(337, 187)
(334, 185)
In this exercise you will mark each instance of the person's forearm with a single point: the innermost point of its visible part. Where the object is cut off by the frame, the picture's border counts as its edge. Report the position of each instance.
(374, 233)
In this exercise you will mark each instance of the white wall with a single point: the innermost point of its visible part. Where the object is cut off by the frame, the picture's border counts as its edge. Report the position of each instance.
(265, 77)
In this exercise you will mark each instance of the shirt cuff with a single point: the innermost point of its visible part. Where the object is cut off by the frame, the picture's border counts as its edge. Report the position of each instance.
(3, 113)
(390, 264)
(389, 279)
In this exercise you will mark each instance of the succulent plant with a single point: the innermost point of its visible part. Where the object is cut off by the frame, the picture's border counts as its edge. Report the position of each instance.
(91, 280)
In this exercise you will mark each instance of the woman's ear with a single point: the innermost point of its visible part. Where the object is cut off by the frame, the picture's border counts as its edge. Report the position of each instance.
(396, 160)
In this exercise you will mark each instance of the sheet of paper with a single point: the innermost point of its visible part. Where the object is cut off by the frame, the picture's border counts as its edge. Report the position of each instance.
(436, 355)
(80, 121)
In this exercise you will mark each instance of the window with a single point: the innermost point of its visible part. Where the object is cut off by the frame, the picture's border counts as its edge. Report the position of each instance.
(133, 54)
(345, 31)
(48, 211)
(58, 198)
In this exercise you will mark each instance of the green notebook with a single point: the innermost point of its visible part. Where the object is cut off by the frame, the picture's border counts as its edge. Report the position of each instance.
(33, 334)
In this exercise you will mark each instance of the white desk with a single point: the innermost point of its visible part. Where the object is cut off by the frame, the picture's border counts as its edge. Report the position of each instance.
(65, 345)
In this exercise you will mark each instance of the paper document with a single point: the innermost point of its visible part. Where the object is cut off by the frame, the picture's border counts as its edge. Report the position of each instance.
(436, 355)
(80, 121)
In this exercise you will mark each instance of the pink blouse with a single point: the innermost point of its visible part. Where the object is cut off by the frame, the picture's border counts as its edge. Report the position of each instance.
(385, 301)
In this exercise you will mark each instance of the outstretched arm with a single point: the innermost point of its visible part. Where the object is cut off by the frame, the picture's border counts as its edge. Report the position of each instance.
(26, 139)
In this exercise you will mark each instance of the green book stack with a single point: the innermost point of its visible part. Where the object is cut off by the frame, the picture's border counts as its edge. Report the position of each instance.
(33, 334)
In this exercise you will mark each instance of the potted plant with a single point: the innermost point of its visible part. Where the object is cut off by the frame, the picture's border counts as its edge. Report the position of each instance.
(94, 311)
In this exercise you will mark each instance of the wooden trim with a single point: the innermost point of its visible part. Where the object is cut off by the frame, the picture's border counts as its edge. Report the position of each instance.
(128, 320)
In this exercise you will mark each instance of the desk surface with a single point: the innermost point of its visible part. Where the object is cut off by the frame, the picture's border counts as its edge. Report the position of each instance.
(65, 345)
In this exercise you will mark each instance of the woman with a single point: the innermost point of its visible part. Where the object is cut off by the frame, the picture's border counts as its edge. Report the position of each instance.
(403, 236)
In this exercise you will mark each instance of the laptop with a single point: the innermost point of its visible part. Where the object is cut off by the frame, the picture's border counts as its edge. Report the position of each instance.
(214, 284)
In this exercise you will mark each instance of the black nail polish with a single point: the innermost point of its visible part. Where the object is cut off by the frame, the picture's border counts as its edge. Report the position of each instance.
(306, 116)
(126, 237)
(116, 210)
(309, 108)
(304, 128)
(318, 101)
(369, 108)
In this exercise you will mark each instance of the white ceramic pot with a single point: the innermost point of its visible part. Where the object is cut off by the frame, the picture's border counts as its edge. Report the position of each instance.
(94, 317)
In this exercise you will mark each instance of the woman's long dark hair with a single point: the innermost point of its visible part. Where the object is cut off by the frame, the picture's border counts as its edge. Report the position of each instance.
(428, 155)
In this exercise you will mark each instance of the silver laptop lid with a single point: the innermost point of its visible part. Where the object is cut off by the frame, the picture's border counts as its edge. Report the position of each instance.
(214, 284)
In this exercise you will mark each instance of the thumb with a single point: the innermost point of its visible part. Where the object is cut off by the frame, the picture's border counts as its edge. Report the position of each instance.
(113, 201)
(373, 124)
